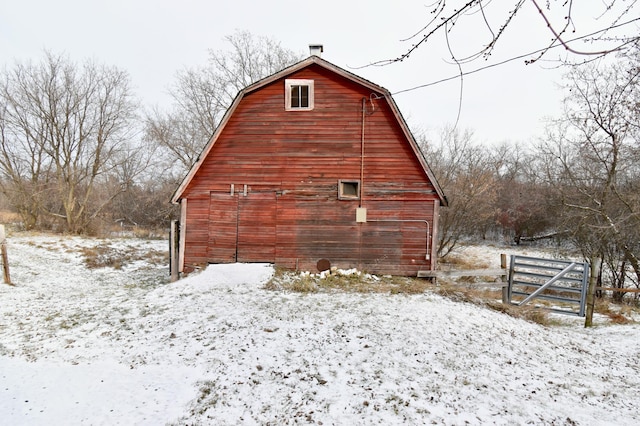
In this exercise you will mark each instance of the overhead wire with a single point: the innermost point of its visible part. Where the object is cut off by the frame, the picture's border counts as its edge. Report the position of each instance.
(453, 56)
(515, 58)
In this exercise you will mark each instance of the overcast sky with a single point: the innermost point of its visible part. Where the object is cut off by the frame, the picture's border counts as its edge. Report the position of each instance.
(153, 39)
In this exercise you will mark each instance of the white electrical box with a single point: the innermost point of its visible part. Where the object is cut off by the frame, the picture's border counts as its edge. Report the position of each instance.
(361, 215)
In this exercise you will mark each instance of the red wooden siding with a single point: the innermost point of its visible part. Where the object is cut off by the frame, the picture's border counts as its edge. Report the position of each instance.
(242, 228)
(196, 221)
(222, 228)
(290, 162)
(314, 229)
(257, 227)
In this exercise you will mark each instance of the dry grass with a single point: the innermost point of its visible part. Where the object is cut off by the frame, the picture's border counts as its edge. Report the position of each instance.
(492, 298)
(134, 232)
(347, 281)
(617, 313)
(459, 261)
(8, 217)
(489, 297)
(103, 255)
(116, 253)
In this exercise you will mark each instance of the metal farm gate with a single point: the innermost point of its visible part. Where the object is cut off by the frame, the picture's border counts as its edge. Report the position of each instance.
(562, 283)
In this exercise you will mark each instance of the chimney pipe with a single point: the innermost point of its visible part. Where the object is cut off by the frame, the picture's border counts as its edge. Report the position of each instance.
(315, 50)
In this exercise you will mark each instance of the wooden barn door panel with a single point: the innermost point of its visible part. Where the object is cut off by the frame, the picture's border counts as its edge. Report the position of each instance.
(257, 227)
(381, 245)
(223, 228)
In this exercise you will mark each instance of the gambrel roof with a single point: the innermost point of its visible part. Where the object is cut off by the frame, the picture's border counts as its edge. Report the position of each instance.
(285, 73)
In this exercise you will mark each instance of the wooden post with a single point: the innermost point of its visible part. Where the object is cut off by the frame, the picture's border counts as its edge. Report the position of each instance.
(591, 290)
(173, 251)
(505, 289)
(5, 257)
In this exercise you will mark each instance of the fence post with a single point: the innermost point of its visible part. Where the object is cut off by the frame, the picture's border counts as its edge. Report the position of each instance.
(173, 251)
(5, 257)
(505, 288)
(591, 290)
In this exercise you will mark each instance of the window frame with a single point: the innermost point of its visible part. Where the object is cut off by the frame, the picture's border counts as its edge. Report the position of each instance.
(341, 192)
(288, 85)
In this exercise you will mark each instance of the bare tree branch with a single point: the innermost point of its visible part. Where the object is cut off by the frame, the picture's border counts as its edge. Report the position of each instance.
(444, 16)
(202, 95)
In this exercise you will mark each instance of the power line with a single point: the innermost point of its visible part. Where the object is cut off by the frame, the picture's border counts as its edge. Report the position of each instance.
(462, 74)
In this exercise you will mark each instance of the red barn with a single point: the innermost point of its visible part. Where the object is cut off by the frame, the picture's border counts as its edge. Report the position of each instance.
(311, 167)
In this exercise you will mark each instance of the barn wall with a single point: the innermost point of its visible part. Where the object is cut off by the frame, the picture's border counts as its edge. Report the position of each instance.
(294, 159)
(196, 241)
(396, 239)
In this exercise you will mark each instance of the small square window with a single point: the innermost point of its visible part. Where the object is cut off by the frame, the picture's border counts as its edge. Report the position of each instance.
(349, 190)
(298, 95)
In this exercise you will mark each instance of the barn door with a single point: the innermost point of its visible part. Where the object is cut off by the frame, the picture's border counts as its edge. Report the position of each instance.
(223, 228)
(242, 228)
(257, 227)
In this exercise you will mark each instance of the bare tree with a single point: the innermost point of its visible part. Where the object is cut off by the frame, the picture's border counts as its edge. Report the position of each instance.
(522, 210)
(616, 31)
(202, 95)
(593, 158)
(26, 171)
(466, 174)
(492, 191)
(64, 128)
(180, 138)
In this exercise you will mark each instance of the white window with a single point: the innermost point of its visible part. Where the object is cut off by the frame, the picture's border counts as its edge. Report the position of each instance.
(298, 95)
(348, 189)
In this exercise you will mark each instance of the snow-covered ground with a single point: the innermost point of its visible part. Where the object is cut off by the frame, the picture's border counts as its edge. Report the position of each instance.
(125, 346)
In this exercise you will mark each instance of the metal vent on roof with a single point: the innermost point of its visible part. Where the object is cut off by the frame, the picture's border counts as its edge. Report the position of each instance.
(316, 50)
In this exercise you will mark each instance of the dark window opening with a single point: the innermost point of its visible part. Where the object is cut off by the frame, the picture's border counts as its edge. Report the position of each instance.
(349, 190)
